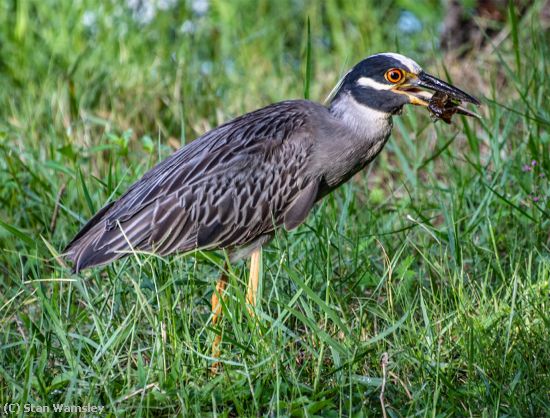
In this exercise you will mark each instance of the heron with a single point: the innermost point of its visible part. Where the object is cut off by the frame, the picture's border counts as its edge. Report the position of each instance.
(231, 188)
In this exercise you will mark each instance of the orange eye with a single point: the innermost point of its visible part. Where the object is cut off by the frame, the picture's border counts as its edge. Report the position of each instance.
(395, 75)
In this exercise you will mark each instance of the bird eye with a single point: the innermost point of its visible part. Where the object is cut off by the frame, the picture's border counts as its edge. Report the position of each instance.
(394, 75)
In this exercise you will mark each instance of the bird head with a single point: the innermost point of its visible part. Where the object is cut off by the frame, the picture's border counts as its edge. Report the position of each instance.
(386, 82)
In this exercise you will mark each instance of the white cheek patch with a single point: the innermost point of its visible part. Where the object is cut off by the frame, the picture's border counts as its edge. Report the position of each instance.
(369, 82)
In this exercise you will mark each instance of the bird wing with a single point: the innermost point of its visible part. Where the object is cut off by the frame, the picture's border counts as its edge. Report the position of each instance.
(229, 187)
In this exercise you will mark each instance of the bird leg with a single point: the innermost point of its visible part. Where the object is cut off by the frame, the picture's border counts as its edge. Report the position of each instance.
(251, 298)
(216, 317)
(253, 280)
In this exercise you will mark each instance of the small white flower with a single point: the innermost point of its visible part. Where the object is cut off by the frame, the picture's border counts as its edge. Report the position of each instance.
(166, 4)
(188, 27)
(89, 19)
(143, 11)
(200, 7)
(207, 67)
(409, 23)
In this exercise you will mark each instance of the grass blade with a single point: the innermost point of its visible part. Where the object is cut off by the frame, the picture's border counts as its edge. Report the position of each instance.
(307, 79)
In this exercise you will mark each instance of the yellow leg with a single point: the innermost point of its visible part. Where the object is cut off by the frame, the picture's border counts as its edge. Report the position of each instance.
(253, 280)
(216, 317)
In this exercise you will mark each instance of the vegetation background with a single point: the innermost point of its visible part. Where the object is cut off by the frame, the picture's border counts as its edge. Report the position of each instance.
(436, 257)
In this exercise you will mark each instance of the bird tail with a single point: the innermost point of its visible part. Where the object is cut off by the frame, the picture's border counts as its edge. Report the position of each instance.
(82, 249)
(102, 241)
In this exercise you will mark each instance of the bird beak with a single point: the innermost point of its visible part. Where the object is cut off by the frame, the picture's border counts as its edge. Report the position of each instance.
(417, 96)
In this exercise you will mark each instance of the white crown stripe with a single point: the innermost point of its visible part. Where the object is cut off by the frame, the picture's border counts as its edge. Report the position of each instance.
(412, 66)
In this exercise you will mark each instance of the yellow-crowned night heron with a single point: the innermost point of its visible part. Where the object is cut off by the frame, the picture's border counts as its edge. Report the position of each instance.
(232, 187)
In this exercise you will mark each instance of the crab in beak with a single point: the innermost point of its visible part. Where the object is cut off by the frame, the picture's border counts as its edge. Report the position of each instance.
(443, 103)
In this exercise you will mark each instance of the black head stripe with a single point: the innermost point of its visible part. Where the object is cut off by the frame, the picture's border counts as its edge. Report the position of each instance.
(382, 100)
(374, 68)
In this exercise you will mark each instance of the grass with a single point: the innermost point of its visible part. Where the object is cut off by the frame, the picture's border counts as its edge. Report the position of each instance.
(437, 254)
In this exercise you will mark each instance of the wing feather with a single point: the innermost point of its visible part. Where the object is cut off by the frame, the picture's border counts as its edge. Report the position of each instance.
(225, 189)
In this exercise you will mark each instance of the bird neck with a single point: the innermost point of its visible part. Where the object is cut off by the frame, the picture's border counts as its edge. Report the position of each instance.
(357, 135)
(363, 121)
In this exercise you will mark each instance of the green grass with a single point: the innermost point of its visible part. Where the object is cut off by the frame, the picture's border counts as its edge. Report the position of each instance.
(437, 254)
